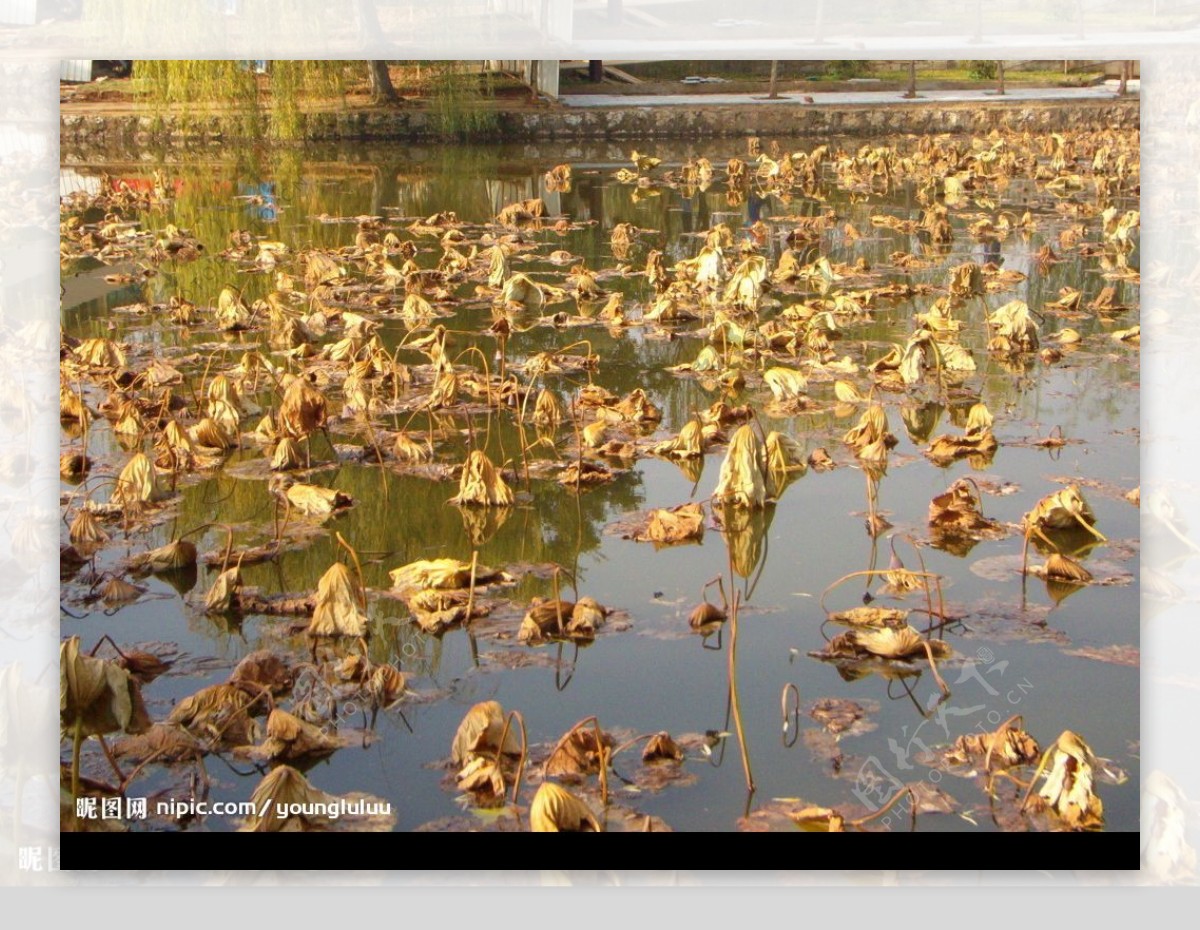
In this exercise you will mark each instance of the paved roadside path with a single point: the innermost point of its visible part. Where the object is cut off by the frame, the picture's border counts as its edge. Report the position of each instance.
(847, 98)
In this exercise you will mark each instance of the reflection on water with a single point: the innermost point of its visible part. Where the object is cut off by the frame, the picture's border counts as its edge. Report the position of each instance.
(656, 674)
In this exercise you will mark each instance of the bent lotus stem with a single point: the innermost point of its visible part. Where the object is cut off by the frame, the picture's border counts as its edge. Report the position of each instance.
(508, 719)
(887, 807)
(737, 710)
(362, 585)
(987, 759)
(933, 668)
(1041, 767)
(789, 711)
(868, 573)
(925, 575)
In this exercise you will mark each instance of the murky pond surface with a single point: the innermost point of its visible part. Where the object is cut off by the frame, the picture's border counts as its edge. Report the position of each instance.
(1044, 653)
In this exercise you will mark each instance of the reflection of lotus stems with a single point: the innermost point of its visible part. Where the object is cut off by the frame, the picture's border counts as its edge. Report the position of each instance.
(924, 580)
(737, 712)
(933, 668)
(557, 601)
(524, 750)
(471, 596)
(789, 712)
(879, 571)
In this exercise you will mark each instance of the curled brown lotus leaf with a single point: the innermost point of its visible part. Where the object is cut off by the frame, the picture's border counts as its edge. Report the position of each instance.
(263, 669)
(742, 480)
(498, 270)
(706, 614)
(137, 483)
(688, 444)
(547, 409)
(387, 684)
(519, 289)
(662, 748)
(302, 411)
(1006, 747)
(1013, 328)
(884, 643)
(635, 407)
(162, 742)
(584, 474)
(409, 450)
(340, 602)
(97, 696)
(481, 484)
(1068, 789)
(480, 732)
(286, 456)
(545, 618)
(443, 574)
(556, 810)
(118, 591)
(100, 353)
(265, 431)
(847, 393)
(174, 555)
(209, 434)
(837, 715)
(315, 501)
(957, 511)
(1060, 567)
(222, 596)
(73, 465)
(173, 449)
(871, 429)
(232, 312)
(946, 448)
(483, 778)
(1062, 510)
(871, 616)
(86, 529)
(673, 525)
(281, 788)
(785, 458)
(219, 712)
(71, 407)
(578, 753)
(289, 739)
(129, 421)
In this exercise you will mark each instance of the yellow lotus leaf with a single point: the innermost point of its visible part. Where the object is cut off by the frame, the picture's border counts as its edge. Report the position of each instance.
(519, 289)
(1068, 789)
(286, 456)
(482, 777)
(71, 406)
(886, 643)
(100, 353)
(545, 618)
(119, 591)
(409, 450)
(219, 712)
(1061, 510)
(302, 411)
(1014, 328)
(443, 574)
(958, 510)
(498, 271)
(481, 484)
(955, 357)
(745, 286)
(291, 804)
(445, 389)
(946, 448)
(556, 810)
(265, 431)
(289, 738)
(872, 427)
(86, 529)
(579, 752)
(786, 384)
(547, 409)
(232, 312)
(871, 616)
(480, 732)
(320, 268)
(847, 393)
(387, 684)
(137, 483)
(416, 312)
(688, 444)
(1060, 567)
(97, 695)
(173, 448)
(742, 479)
(174, 555)
(263, 669)
(784, 456)
(1004, 748)
(227, 419)
(129, 421)
(221, 596)
(635, 407)
(73, 465)
(340, 602)
(315, 501)
(710, 267)
(209, 434)
(673, 525)
(966, 280)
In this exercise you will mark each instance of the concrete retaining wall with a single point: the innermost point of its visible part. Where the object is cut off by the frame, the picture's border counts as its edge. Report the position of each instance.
(644, 122)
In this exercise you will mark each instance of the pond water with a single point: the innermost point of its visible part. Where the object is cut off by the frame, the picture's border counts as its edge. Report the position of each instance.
(1017, 648)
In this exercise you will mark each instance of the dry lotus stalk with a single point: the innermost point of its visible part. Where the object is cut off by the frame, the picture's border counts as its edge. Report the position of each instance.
(302, 411)
(97, 696)
(137, 483)
(444, 574)
(1068, 790)
(480, 732)
(742, 481)
(289, 738)
(481, 484)
(340, 601)
(673, 525)
(556, 810)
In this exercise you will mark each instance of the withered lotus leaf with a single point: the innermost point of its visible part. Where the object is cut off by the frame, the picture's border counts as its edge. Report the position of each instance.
(137, 483)
(286, 456)
(481, 484)
(787, 385)
(86, 529)
(263, 669)
(480, 732)
(222, 596)
(444, 574)
(210, 434)
(71, 406)
(315, 501)
(498, 271)
(1060, 567)
(284, 790)
(302, 411)
(1008, 746)
(1061, 510)
(872, 427)
(232, 312)
(673, 525)
(519, 289)
(784, 457)
(119, 591)
(662, 748)
(742, 481)
(814, 819)
(871, 616)
(340, 602)
(73, 465)
(847, 393)
(557, 810)
(387, 684)
(1068, 789)
(174, 555)
(578, 753)
(100, 353)
(409, 450)
(219, 712)
(163, 742)
(289, 738)
(705, 614)
(688, 444)
(885, 643)
(547, 410)
(482, 777)
(544, 619)
(957, 510)
(97, 695)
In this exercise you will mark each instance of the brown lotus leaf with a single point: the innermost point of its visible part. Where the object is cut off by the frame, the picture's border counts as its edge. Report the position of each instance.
(340, 602)
(286, 456)
(688, 444)
(353, 668)
(946, 448)
(742, 481)
(871, 616)
(838, 715)
(483, 778)
(222, 596)
(583, 474)
(129, 421)
(1068, 789)
(1135, 496)
(785, 457)
(1007, 746)
(519, 289)
(545, 618)
(556, 810)
(1060, 567)
(635, 407)
(409, 450)
(265, 431)
(673, 525)
(119, 591)
(872, 428)
(86, 529)
(819, 460)
(847, 393)
(957, 511)
(481, 484)
(480, 731)
(302, 411)
(1013, 328)
(292, 804)
(174, 555)
(71, 406)
(97, 695)
(209, 433)
(662, 748)
(1062, 510)
(387, 684)
(162, 742)
(73, 465)
(547, 409)
(498, 270)
(444, 574)
(263, 669)
(289, 739)
(143, 666)
(578, 753)
(705, 614)
(315, 501)
(221, 713)
(885, 643)
(100, 353)
(814, 819)
(137, 483)
(173, 448)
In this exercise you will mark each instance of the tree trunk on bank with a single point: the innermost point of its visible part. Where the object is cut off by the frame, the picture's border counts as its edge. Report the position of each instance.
(595, 70)
(772, 88)
(382, 91)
